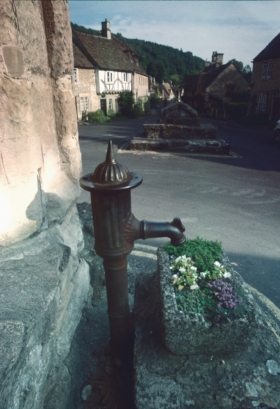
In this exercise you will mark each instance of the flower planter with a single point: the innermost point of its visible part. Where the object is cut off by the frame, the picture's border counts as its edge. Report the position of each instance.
(192, 333)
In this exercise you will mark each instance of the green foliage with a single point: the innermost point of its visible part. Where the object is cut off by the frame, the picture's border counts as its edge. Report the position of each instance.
(203, 252)
(85, 30)
(163, 61)
(126, 103)
(129, 108)
(97, 117)
(111, 113)
(138, 109)
(237, 110)
(195, 301)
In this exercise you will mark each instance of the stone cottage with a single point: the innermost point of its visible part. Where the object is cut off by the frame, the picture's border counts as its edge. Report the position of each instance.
(215, 86)
(265, 87)
(104, 66)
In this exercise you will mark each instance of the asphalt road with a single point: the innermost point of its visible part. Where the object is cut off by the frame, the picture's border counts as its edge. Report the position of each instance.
(232, 199)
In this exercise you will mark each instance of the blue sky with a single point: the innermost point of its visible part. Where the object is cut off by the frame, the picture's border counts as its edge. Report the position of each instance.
(239, 29)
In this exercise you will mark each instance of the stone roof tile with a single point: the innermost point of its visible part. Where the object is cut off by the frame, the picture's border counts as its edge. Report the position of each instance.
(107, 54)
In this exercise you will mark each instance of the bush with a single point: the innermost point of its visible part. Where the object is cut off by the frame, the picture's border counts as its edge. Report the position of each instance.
(138, 109)
(126, 103)
(97, 117)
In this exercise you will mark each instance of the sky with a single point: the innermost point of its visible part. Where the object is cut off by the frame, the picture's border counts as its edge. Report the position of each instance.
(238, 29)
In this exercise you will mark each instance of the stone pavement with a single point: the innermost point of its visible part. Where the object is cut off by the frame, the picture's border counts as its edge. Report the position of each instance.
(159, 374)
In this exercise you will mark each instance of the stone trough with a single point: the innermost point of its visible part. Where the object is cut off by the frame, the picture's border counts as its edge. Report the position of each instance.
(179, 129)
(188, 372)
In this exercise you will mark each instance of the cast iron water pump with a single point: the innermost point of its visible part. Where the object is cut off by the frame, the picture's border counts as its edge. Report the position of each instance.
(116, 229)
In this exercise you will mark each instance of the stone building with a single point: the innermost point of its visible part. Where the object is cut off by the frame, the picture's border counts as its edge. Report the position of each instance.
(104, 67)
(265, 87)
(44, 283)
(215, 86)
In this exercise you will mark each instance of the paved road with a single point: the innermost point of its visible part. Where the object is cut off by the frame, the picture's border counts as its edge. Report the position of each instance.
(231, 199)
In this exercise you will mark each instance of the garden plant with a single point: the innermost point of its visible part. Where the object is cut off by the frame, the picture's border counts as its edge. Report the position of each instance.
(202, 284)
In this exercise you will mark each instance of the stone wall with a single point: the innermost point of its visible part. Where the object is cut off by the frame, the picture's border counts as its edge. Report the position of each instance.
(86, 87)
(141, 85)
(44, 284)
(265, 86)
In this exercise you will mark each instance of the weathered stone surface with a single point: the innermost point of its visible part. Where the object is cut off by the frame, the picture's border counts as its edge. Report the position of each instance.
(179, 128)
(190, 333)
(179, 113)
(44, 288)
(217, 146)
(171, 131)
(40, 159)
(44, 283)
(223, 381)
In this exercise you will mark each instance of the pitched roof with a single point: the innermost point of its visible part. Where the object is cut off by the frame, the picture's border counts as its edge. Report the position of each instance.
(206, 77)
(272, 50)
(103, 53)
(80, 60)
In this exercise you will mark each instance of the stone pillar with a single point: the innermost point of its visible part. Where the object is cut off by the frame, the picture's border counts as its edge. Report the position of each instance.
(40, 159)
(44, 283)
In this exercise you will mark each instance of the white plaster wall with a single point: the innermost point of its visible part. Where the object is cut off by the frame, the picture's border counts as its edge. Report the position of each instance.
(117, 84)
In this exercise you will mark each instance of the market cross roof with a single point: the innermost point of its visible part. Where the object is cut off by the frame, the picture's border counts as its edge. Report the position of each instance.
(103, 53)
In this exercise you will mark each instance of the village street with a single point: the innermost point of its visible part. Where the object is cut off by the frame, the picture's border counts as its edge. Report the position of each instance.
(232, 199)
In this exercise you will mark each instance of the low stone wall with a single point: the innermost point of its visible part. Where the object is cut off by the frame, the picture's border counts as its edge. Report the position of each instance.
(216, 146)
(44, 288)
(172, 131)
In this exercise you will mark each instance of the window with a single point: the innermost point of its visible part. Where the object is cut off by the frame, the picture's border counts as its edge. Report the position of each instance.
(125, 76)
(110, 105)
(109, 76)
(75, 75)
(116, 105)
(261, 102)
(84, 104)
(266, 70)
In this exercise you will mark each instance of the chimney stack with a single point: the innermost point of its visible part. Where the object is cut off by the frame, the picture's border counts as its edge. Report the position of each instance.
(106, 32)
(217, 58)
(206, 63)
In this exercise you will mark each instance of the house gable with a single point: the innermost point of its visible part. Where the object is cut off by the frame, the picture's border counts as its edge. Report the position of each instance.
(271, 51)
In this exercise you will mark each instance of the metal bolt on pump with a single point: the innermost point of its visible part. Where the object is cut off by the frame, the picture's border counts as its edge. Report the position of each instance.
(116, 229)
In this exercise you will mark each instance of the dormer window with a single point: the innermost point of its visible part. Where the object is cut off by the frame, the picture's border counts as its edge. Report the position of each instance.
(109, 76)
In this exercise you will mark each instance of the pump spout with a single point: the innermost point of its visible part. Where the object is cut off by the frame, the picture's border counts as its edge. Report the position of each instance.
(136, 229)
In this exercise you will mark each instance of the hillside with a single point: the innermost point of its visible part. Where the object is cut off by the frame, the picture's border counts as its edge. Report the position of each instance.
(160, 61)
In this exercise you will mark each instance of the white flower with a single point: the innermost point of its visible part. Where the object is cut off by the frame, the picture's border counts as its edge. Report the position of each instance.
(227, 274)
(194, 287)
(193, 268)
(217, 264)
(203, 274)
(174, 276)
(178, 259)
(182, 270)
